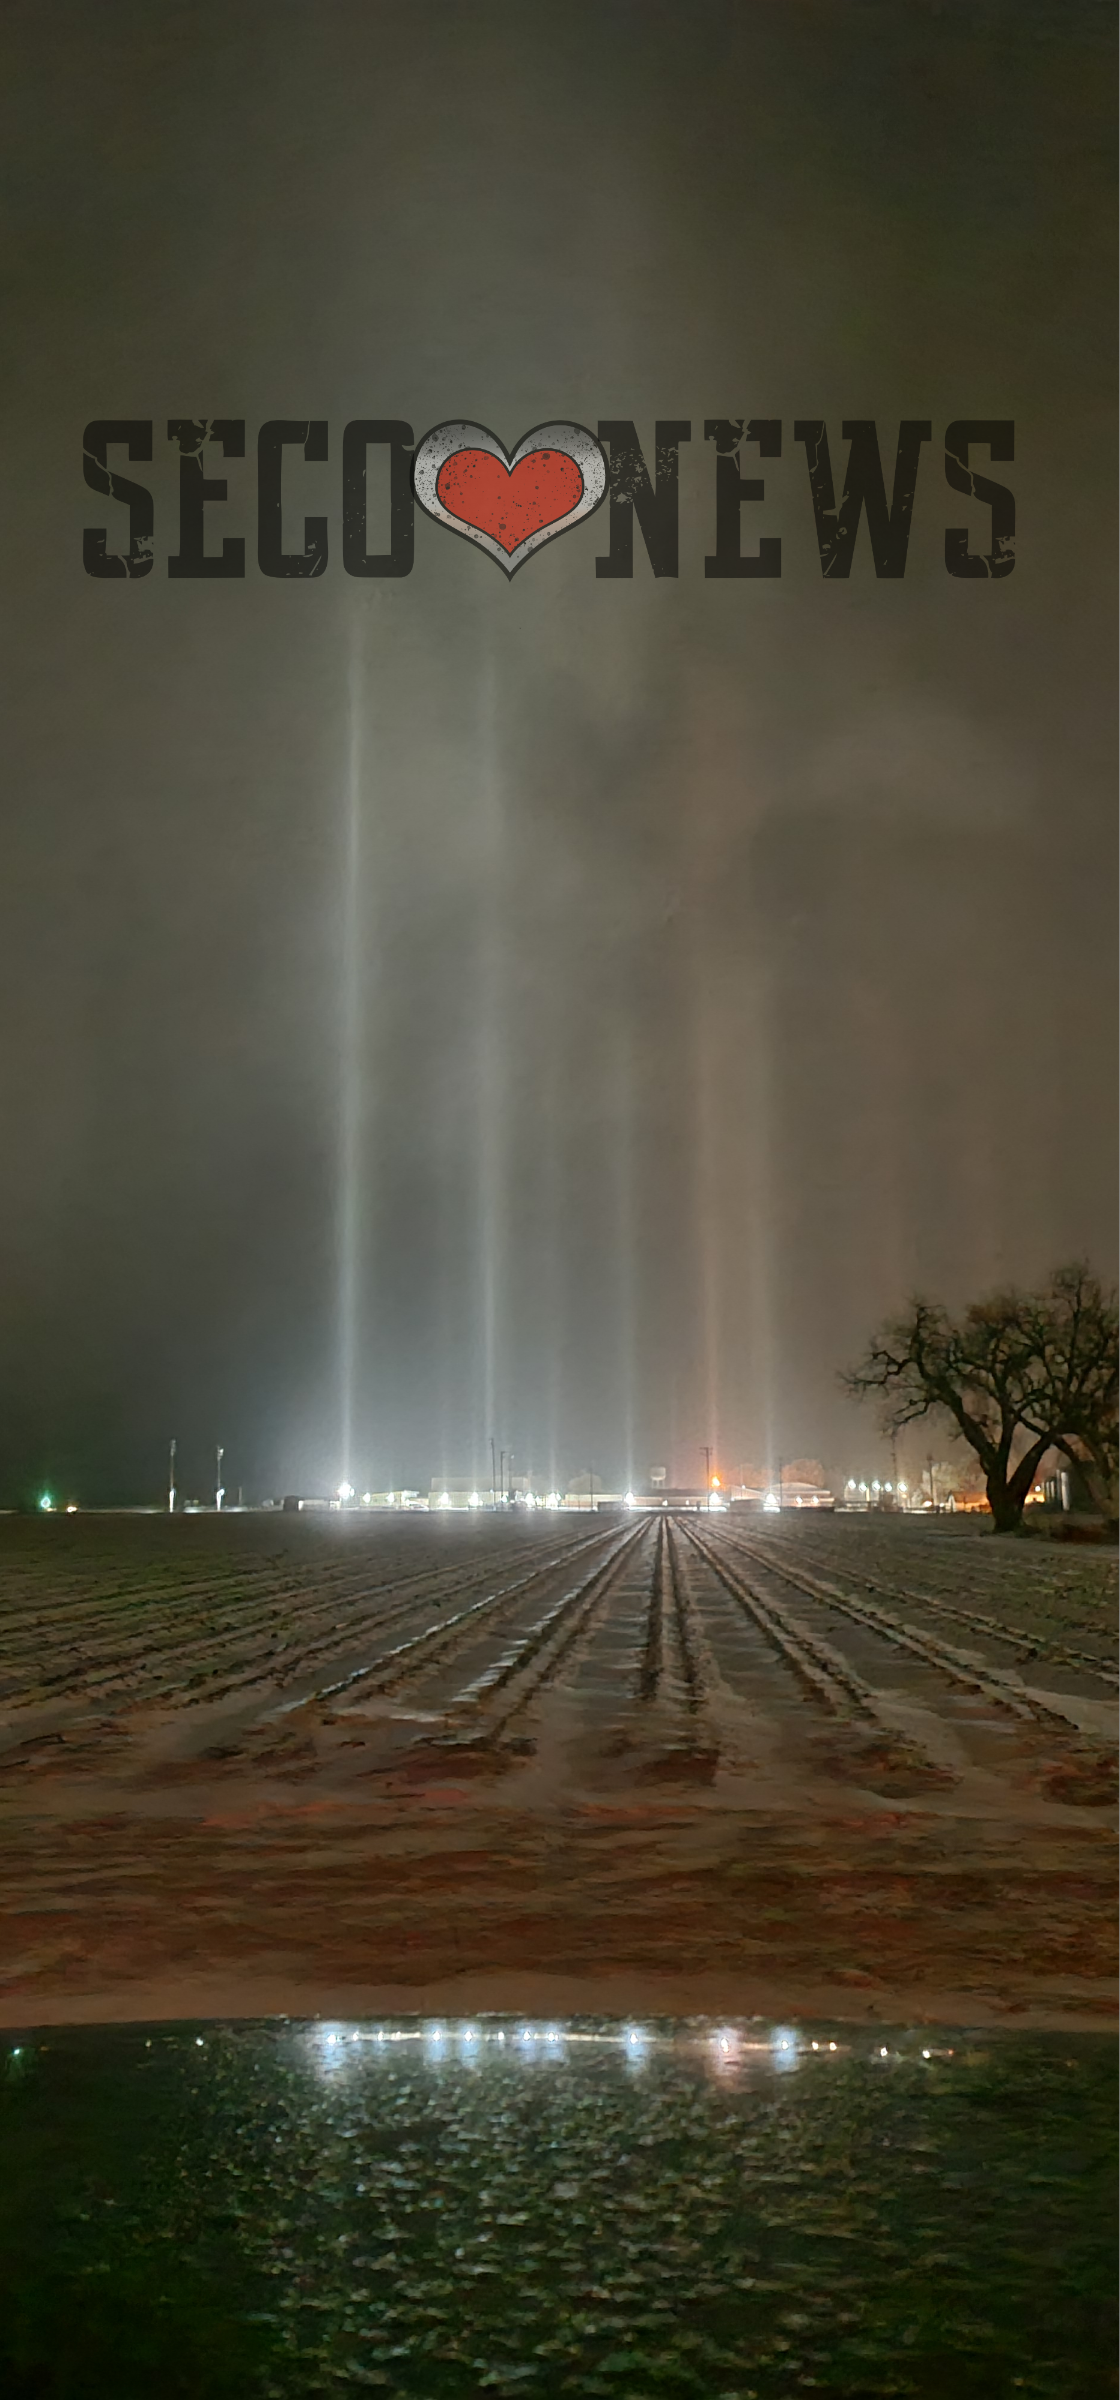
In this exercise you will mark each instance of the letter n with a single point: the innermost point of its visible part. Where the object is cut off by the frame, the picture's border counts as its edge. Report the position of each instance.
(632, 495)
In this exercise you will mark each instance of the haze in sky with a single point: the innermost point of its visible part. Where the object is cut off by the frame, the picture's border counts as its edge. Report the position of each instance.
(571, 1010)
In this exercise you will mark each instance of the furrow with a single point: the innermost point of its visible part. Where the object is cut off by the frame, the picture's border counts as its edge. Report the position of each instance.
(827, 1676)
(991, 1682)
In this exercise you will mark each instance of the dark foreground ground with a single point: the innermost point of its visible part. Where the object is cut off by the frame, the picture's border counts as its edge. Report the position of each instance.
(854, 1767)
(735, 2212)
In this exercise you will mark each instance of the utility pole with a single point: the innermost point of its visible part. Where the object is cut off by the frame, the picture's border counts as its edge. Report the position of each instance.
(502, 1477)
(707, 1450)
(219, 1492)
(932, 1494)
(591, 1487)
(493, 1474)
(171, 1495)
(781, 1485)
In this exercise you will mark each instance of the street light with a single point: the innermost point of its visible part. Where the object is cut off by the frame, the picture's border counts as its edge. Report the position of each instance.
(219, 1488)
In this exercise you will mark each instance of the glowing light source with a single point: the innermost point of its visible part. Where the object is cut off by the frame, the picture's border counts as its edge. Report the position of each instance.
(784, 2046)
(772, 1504)
(629, 1499)
(71, 1508)
(474, 1500)
(46, 1501)
(445, 1499)
(345, 1492)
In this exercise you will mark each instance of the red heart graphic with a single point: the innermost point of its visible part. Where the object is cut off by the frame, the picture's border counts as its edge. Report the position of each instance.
(509, 503)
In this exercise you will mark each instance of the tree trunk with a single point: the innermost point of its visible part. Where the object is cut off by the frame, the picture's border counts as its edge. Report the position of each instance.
(1007, 1494)
(1006, 1508)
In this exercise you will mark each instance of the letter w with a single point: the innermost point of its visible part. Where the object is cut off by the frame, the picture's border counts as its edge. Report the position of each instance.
(889, 529)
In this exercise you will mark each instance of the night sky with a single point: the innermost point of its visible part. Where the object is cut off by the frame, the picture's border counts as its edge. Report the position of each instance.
(585, 1006)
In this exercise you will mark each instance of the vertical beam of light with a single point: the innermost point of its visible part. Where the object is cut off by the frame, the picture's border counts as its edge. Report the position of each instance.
(625, 1234)
(547, 1267)
(709, 1222)
(759, 1183)
(491, 1062)
(350, 1071)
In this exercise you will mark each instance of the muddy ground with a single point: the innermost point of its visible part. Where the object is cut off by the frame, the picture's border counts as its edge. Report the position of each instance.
(860, 1768)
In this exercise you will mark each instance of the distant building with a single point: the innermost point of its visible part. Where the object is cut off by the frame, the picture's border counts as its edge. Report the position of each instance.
(794, 1483)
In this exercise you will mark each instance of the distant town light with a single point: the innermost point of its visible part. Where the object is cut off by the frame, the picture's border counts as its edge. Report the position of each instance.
(345, 1492)
(46, 1501)
(772, 1504)
(71, 1508)
(474, 1500)
(629, 1499)
(445, 1499)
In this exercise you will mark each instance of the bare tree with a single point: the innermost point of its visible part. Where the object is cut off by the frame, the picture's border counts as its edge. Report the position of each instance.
(1018, 1374)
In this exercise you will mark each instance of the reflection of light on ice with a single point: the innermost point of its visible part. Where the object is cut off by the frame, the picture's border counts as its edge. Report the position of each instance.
(728, 2049)
(330, 2045)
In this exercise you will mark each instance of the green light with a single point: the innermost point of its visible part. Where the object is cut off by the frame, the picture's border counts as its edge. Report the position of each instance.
(46, 1501)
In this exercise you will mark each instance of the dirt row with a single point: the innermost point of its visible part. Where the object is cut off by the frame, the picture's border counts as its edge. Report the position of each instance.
(469, 1737)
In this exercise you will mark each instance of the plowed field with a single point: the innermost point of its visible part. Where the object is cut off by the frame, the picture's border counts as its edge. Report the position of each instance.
(250, 1764)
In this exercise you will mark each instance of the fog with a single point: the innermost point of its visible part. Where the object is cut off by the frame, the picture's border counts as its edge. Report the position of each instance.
(568, 1010)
